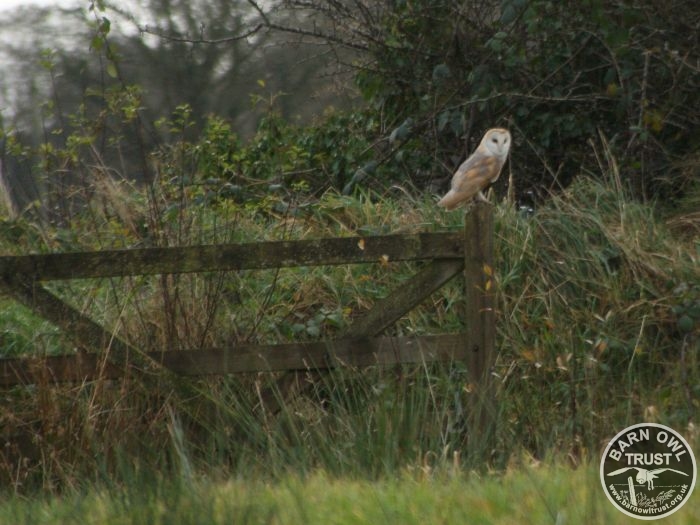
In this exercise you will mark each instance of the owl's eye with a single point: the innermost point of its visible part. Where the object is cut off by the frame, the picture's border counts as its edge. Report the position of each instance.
(494, 140)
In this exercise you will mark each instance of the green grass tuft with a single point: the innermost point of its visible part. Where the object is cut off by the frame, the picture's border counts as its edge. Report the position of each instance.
(536, 494)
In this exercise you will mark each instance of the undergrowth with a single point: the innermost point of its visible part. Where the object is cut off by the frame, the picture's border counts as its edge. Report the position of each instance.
(592, 299)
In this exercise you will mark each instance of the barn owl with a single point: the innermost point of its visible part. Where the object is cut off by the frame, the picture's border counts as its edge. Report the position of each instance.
(481, 169)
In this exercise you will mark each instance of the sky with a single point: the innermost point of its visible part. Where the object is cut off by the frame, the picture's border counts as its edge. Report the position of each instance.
(10, 39)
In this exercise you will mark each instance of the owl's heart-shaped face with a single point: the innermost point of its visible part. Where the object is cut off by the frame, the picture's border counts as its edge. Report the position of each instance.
(496, 142)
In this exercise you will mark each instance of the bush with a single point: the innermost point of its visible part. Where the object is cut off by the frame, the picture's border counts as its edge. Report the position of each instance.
(558, 73)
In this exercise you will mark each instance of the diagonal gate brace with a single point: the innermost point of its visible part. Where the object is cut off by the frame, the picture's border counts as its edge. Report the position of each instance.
(381, 316)
(85, 333)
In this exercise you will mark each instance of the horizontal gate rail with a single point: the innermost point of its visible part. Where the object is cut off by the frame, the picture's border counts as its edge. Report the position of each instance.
(102, 354)
(243, 256)
(87, 366)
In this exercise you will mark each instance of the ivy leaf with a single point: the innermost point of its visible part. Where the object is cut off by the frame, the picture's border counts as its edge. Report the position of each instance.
(402, 131)
(443, 119)
(509, 14)
(440, 73)
(359, 176)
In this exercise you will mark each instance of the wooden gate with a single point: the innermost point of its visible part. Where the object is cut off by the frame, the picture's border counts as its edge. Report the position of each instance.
(104, 355)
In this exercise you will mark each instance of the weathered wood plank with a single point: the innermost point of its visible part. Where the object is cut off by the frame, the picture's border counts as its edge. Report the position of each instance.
(85, 333)
(316, 355)
(480, 353)
(381, 316)
(380, 351)
(263, 255)
(57, 369)
(479, 288)
(406, 297)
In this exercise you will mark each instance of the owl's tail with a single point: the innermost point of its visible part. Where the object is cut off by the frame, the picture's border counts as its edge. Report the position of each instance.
(452, 199)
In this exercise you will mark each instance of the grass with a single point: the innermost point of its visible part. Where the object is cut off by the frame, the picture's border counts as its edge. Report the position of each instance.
(536, 494)
(591, 290)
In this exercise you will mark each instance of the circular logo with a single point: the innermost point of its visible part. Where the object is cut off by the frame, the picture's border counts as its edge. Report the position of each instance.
(648, 471)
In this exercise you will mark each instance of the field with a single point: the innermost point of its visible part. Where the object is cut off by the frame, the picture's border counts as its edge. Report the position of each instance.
(597, 329)
(535, 494)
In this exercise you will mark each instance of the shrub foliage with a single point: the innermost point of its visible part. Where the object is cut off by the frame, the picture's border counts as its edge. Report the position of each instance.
(438, 73)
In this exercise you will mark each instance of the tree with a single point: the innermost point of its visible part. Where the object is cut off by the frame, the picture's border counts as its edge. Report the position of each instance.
(100, 78)
(561, 74)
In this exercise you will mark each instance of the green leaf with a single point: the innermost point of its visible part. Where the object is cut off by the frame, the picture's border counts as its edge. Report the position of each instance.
(97, 43)
(112, 70)
(443, 119)
(509, 14)
(402, 131)
(685, 324)
(440, 73)
(105, 26)
(313, 329)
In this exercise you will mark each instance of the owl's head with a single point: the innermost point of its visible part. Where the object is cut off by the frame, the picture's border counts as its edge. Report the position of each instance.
(496, 142)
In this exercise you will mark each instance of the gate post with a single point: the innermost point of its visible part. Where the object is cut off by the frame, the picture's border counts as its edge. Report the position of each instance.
(480, 354)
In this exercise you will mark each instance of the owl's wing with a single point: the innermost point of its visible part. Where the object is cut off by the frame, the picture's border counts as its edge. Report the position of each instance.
(472, 176)
(660, 470)
(620, 471)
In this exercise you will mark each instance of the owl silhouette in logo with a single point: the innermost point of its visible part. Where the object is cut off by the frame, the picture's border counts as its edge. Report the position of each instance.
(479, 170)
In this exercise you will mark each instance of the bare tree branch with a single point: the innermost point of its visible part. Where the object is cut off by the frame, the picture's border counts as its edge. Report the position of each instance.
(201, 40)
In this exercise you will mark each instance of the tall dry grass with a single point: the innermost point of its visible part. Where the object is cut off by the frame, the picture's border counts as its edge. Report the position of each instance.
(589, 291)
